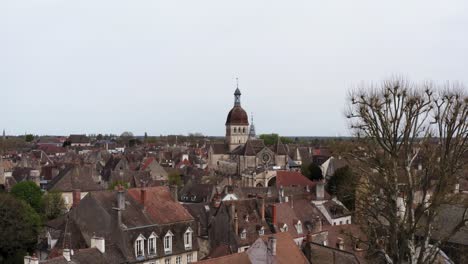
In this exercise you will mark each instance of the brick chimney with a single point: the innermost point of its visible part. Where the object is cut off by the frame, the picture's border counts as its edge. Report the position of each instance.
(143, 196)
(76, 196)
(273, 214)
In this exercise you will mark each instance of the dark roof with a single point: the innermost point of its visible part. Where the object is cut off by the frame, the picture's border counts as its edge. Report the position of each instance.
(237, 116)
(324, 254)
(335, 209)
(279, 148)
(219, 148)
(79, 139)
(75, 177)
(250, 148)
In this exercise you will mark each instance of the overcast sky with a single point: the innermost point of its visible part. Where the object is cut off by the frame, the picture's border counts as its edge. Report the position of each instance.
(165, 67)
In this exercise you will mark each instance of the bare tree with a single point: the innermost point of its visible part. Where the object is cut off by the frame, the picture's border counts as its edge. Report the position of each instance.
(412, 139)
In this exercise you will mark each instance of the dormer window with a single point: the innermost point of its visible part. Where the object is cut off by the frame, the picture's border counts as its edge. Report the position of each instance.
(168, 242)
(299, 227)
(188, 238)
(261, 231)
(139, 246)
(243, 234)
(284, 228)
(152, 244)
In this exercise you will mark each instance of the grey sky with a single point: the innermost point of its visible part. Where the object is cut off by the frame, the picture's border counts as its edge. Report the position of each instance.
(169, 67)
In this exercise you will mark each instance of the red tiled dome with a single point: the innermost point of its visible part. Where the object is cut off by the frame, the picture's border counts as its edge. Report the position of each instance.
(237, 116)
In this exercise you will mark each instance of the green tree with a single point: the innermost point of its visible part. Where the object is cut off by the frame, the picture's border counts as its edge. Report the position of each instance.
(53, 205)
(19, 226)
(175, 178)
(343, 185)
(312, 171)
(114, 184)
(29, 137)
(29, 192)
(99, 137)
(271, 139)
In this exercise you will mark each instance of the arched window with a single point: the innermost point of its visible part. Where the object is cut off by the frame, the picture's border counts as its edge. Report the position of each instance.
(243, 130)
(235, 130)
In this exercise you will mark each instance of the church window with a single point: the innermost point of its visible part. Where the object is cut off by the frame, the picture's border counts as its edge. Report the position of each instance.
(235, 130)
(243, 130)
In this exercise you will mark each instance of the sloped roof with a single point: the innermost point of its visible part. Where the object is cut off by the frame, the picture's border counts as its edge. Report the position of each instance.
(292, 178)
(74, 177)
(160, 205)
(238, 258)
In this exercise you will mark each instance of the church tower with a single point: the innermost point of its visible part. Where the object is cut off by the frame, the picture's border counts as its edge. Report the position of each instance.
(237, 124)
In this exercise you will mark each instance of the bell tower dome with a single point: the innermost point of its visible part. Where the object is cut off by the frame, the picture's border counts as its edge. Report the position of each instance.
(237, 124)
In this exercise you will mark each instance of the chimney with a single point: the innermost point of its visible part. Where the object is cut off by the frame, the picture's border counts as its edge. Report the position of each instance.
(173, 189)
(143, 196)
(291, 201)
(272, 245)
(273, 213)
(320, 190)
(318, 224)
(121, 198)
(340, 243)
(76, 197)
(457, 188)
(99, 243)
(31, 259)
(67, 254)
(262, 208)
(236, 224)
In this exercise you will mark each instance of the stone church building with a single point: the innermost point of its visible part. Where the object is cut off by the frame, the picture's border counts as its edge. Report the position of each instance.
(243, 154)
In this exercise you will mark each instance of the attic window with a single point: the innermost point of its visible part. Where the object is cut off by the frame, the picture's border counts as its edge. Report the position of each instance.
(261, 231)
(299, 227)
(168, 242)
(284, 228)
(139, 246)
(152, 244)
(188, 238)
(243, 234)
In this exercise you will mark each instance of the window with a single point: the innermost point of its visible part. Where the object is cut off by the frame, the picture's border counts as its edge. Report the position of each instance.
(178, 260)
(243, 130)
(168, 242)
(152, 244)
(188, 238)
(284, 228)
(189, 258)
(167, 261)
(299, 227)
(261, 231)
(235, 130)
(243, 234)
(139, 246)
